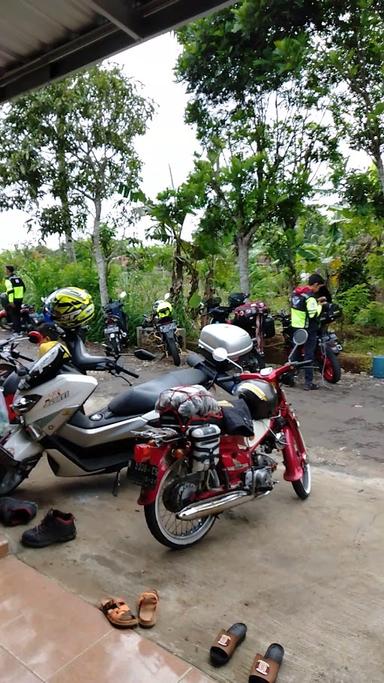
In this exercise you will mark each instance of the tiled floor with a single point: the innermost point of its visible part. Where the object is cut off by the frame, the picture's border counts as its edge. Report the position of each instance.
(48, 634)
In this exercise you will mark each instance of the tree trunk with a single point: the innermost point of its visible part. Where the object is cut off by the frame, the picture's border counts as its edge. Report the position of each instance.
(243, 261)
(63, 188)
(99, 255)
(69, 246)
(177, 274)
(380, 170)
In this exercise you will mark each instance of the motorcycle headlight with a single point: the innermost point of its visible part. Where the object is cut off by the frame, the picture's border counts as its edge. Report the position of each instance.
(24, 404)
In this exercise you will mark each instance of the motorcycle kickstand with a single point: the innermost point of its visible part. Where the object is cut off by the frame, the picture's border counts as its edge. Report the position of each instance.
(116, 483)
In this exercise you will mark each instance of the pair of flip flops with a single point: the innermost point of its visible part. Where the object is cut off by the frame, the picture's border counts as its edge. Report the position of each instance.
(264, 668)
(120, 615)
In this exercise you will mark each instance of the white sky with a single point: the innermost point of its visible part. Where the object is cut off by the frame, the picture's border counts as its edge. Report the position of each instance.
(168, 142)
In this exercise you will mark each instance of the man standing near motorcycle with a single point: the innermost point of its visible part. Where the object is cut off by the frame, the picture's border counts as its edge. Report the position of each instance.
(305, 313)
(15, 289)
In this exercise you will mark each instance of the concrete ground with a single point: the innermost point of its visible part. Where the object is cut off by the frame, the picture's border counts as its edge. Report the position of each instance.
(305, 574)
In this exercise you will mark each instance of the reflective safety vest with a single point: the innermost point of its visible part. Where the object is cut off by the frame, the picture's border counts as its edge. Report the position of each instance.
(304, 307)
(15, 288)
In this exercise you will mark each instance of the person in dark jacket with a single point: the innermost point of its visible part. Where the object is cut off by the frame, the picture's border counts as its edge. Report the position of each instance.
(15, 290)
(305, 313)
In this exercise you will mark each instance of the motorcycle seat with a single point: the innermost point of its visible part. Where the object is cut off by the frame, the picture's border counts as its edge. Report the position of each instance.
(82, 359)
(142, 398)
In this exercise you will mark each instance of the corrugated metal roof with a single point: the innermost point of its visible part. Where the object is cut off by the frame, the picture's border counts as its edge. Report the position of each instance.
(41, 40)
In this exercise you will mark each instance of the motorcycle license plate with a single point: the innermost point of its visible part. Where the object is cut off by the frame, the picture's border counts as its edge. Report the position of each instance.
(143, 474)
(113, 328)
(168, 328)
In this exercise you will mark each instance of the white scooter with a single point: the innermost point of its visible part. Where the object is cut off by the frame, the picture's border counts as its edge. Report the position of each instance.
(49, 402)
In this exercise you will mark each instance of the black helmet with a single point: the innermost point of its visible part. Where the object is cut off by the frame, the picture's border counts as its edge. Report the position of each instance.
(260, 397)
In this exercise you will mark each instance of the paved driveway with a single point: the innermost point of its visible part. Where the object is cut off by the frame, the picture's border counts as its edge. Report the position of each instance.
(308, 575)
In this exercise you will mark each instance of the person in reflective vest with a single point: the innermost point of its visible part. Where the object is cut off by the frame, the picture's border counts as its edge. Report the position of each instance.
(305, 313)
(15, 290)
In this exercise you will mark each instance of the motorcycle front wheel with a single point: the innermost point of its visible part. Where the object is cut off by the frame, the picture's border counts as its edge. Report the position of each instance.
(171, 346)
(9, 480)
(164, 525)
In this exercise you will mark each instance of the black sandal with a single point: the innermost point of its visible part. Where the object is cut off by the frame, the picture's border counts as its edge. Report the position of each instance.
(266, 668)
(226, 643)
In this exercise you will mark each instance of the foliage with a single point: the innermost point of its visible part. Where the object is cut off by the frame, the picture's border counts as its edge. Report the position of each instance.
(371, 316)
(353, 301)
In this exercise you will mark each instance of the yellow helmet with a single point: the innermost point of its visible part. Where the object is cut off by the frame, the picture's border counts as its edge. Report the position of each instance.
(70, 307)
(162, 309)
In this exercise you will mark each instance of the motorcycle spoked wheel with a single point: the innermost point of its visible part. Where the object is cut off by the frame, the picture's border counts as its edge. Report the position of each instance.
(164, 525)
(9, 480)
(329, 366)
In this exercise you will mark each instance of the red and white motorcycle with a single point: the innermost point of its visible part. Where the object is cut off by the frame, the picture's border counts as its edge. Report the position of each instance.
(204, 457)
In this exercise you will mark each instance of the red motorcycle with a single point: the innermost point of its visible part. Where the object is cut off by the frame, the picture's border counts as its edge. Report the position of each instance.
(197, 464)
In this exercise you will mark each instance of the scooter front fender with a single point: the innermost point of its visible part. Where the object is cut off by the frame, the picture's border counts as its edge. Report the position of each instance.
(18, 448)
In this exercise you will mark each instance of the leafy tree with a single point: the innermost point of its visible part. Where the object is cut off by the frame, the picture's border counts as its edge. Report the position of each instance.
(261, 129)
(348, 69)
(86, 128)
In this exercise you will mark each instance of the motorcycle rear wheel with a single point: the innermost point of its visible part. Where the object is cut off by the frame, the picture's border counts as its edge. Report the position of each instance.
(331, 367)
(164, 525)
(172, 350)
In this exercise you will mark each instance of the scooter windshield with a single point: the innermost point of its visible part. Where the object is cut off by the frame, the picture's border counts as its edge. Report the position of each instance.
(45, 368)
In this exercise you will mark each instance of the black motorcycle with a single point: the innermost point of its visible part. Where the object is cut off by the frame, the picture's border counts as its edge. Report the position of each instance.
(328, 346)
(161, 329)
(115, 327)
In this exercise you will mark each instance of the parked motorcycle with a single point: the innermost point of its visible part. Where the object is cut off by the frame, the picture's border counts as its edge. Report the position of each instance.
(115, 330)
(252, 316)
(49, 402)
(328, 346)
(164, 329)
(200, 463)
(28, 317)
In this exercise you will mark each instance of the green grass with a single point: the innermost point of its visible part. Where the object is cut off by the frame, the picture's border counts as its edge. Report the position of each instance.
(372, 345)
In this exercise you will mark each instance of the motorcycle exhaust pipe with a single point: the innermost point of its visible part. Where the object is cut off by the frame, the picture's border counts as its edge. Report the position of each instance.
(215, 505)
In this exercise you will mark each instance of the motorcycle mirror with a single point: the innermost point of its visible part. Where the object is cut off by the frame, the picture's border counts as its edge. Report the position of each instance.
(220, 355)
(142, 354)
(300, 337)
(122, 295)
(35, 337)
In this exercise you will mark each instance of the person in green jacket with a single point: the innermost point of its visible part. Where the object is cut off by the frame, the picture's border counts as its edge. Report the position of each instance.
(15, 290)
(305, 313)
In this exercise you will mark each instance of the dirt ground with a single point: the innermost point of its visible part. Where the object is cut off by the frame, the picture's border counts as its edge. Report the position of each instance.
(305, 574)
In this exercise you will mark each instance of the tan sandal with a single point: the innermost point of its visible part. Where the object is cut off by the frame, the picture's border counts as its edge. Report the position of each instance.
(118, 613)
(146, 608)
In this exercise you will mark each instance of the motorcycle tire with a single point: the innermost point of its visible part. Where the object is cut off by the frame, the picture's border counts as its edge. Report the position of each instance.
(9, 480)
(172, 350)
(114, 346)
(185, 534)
(330, 369)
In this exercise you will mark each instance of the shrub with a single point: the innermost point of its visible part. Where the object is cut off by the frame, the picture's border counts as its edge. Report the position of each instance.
(371, 316)
(354, 300)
